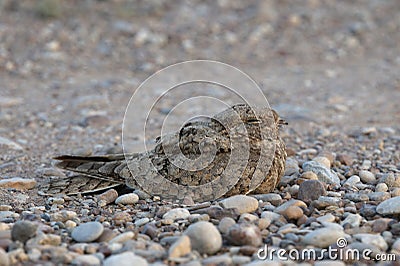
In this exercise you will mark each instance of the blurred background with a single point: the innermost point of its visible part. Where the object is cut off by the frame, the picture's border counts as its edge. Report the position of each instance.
(68, 68)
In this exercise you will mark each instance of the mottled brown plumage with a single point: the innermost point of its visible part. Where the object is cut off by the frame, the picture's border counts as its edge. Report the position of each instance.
(226, 136)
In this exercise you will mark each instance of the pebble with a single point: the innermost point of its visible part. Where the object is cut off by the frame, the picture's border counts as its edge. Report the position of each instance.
(326, 218)
(381, 187)
(18, 183)
(63, 216)
(291, 166)
(243, 203)
(23, 230)
(353, 219)
(142, 221)
(379, 196)
(4, 260)
(180, 248)
(126, 199)
(107, 197)
(323, 160)
(324, 174)
(292, 212)
(177, 213)
(389, 206)
(283, 208)
(352, 181)
(323, 237)
(225, 224)
(395, 246)
(324, 201)
(310, 190)
(309, 175)
(244, 234)
(87, 232)
(122, 237)
(205, 237)
(356, 197)
(367, 177)
(345, 159)
(86, 260)
(270, 216)
(217, 260)
(380, 225)
(125, 259)
(372, 239)
(273, 198)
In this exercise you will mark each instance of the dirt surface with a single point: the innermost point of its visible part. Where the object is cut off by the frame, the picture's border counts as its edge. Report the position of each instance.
(68, 70)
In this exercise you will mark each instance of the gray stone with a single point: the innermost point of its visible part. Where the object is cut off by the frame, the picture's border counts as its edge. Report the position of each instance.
(291, 166)
(225, 224)
(244, 234)
(23, 230)
(126, 199)
(87, 232)
(389, 206)
(125, 259)
(367, 177)
(273, 198)
(324, 174)
(4, 260)
(311, 190)
(372, 239)
(323, 237)
(353, 219)
(177, 213)
(86, 260)
(205, 237)
(243, 203)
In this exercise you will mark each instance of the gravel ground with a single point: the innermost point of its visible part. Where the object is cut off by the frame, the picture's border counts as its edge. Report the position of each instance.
(330, 68)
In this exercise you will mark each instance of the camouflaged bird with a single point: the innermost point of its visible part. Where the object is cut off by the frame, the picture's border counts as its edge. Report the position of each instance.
(254, 129)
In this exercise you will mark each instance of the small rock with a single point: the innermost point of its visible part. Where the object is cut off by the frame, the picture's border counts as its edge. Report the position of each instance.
(121, 218)
(225, 224)
(323, 160)
(122, 238)
(323, 202)
(142, 221)
(345, 159)
(291, 166)
(125, 259)
(379, 196)
(107, 197)
(177, 213)
(244, 234)
(326, 218)
(4, 260)
(180, 248)
(352, 181)
(311, 190)
(288, 204)
(243, 203)
(273, 198)
(23, 230)
(292, 213)
(309, 175)
(63, 216)
(126, 199)
(395, 246)
(205, 237)
(367, 177)
(380, 225)
(356, 197)
(370, 239)
(381, 187)
(87, 232)
(18, 183)
(217, 260)
(324, 174)
(323, 237)
(366, 165)
(352, 219)
(271, 216)
(86, 260)
(389, 206)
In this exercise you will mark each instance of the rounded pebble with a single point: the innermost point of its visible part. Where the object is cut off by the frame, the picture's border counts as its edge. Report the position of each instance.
(125, 259)
(126, 199)
(87, 232)
(205, 237)
(23, 230)
(177, 213)
(243, 203)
